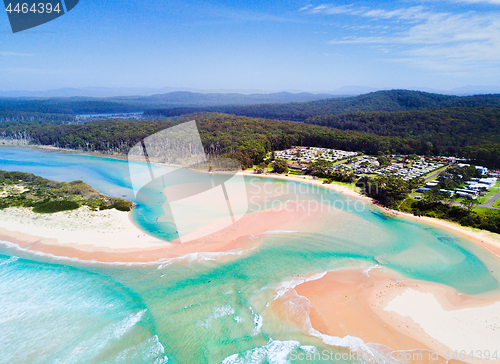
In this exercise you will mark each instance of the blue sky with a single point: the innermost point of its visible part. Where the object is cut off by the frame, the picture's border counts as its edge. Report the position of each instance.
(264, 45)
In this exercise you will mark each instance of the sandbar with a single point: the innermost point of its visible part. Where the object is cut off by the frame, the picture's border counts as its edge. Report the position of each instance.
(400, 317)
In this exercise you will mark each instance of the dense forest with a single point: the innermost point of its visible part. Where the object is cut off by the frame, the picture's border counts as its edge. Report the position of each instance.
(246, 139)
(472, 133)
(72, 106)
(388, 101)
(193, 99)
(95, 105)
(22, 116)
(445, 125)
(471, 124)
(398, 121)
(281, 106)
(442, 132)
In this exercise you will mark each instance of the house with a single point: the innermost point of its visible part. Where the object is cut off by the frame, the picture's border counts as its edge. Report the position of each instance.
(465, 194)
(483, 170)
(447, 192)
(462, 192)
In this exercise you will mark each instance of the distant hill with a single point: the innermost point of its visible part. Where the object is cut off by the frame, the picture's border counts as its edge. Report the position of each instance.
(89, 105)
(388, 101)
(85, 92)
(351, 90)
(283, 105)
(184, 98)
(467, 126)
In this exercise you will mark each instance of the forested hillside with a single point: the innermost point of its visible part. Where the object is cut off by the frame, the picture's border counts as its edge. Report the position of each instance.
(94, 105)
(397, 121)
(446, 125)
(389, 101)
(246, 139)
(71, 106)
(470, 132)
(193, 99)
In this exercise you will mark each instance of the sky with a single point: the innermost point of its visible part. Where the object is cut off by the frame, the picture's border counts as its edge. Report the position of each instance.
(264, 45)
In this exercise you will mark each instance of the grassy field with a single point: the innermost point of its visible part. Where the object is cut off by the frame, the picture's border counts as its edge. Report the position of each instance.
(486, 197)
(489, 212)
(426, 176)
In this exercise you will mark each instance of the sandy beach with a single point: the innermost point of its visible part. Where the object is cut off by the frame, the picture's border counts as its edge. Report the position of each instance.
(129, 232)
(486, 239)
(401, 317)
(110, 235)
(344, 189)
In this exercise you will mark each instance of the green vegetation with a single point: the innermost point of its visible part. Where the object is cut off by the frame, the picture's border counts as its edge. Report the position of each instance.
(245, 139)
(486, 219)
(322, 169)
(469, 132)
(396, 121)
(486, 197)
(384, 161)
(19, 117)
(389, 191)
(177, 99)
(72, 106)
(54, 206)
(438, 124)
(19, 189)
(387, 101)
(496, 203)
(393, 193)
(280, 166)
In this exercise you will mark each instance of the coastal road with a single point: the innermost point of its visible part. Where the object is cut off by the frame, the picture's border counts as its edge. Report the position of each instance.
(435, 174)
(489, 204)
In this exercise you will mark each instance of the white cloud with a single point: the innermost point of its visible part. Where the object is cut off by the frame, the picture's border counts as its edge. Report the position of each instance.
(416, 12)
(305, 7)
(438, 40)
(494, 2)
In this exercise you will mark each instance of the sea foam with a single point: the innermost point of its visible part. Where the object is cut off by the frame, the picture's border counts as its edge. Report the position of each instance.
(288, 285)
(274, 352)
(10, 260)
(162, 263)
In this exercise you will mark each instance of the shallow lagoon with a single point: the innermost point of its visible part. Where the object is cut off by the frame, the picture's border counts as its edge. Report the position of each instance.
(207, 311)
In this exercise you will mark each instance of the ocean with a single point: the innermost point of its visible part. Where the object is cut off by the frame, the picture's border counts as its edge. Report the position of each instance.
(202, 309)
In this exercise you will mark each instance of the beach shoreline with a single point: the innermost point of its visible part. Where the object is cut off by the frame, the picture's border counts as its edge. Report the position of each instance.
(386, 310)
(110, 236)
(151, 252)
(485, 238)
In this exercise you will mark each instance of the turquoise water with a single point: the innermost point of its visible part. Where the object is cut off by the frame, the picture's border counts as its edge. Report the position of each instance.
(57, 311)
